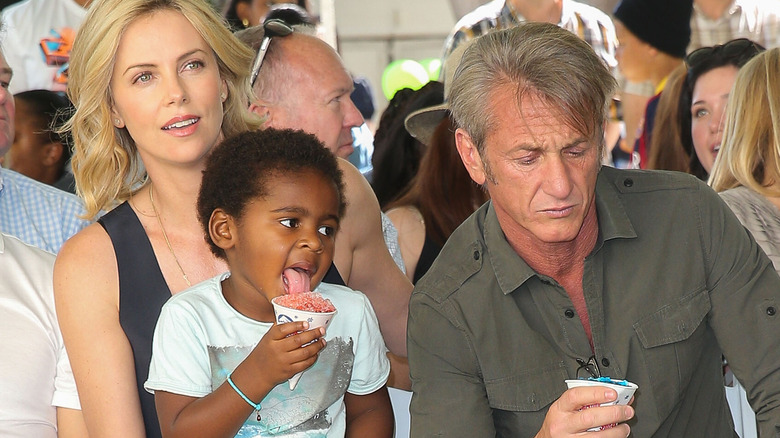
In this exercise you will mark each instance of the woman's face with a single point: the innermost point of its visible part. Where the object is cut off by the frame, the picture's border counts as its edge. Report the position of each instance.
(167, 90)
(708, 105)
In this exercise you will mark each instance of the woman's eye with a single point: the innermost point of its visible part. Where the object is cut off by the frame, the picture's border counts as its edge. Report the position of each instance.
(192, 65)
(143, 78)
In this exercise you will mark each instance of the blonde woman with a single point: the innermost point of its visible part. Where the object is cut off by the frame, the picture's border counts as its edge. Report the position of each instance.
(747, 170)
(156, 85)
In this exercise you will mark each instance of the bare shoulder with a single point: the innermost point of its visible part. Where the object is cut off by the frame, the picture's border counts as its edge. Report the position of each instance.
(358, 191)
(86, 266)
(406, 218)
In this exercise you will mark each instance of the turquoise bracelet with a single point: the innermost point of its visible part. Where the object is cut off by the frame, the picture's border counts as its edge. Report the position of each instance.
(246, 399)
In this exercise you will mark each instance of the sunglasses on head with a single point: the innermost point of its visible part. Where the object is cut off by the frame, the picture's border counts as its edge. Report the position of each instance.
(271, 28)
(741, 49)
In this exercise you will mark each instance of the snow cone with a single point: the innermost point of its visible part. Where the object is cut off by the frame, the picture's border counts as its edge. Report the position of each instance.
(298, 305)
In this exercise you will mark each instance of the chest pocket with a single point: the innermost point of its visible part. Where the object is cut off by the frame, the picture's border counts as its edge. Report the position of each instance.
(529, 391)
(672, 339)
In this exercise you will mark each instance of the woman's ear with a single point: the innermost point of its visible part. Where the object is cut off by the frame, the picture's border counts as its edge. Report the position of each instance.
(222, 229)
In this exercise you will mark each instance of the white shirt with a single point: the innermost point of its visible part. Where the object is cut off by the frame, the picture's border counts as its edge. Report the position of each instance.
(36, 45)
(34, 369)
(200, 339)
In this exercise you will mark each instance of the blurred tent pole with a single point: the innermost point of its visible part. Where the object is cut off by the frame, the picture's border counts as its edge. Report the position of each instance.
(327, 27)
(463, 7)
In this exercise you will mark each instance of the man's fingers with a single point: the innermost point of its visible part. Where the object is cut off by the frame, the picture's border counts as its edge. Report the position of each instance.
(575, 399)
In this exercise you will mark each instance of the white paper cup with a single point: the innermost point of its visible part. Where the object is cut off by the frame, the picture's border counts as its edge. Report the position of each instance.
(624, 394)
(315, 319)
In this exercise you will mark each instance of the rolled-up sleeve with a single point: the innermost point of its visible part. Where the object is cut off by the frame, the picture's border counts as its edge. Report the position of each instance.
(745, 296)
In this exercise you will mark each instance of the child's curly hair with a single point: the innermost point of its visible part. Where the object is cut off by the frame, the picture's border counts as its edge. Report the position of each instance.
(237, 170)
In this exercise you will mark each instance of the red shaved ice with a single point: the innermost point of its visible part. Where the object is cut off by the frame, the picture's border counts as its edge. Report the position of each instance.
(307, 301)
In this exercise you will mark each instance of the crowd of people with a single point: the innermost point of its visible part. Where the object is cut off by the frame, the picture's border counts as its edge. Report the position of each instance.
(155, 203)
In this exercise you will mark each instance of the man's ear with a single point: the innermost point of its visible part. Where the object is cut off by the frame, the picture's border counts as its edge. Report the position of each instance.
(222, 229)
(263, 110)
(470, 156)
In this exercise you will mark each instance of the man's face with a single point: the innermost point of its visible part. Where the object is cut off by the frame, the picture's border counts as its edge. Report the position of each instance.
(540, 173)
(317, 100)
(632, 55)
(7, 110)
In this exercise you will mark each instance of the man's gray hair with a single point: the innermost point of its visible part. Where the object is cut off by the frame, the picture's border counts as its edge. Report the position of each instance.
(540, 59)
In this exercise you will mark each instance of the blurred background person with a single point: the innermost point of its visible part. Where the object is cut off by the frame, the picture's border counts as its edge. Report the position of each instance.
(703, 99)
(39, 151)
(397, 153)
(653, 37)
(666, 149)
(241, 14)
(747, 169)
(39, 37)
(439, 198)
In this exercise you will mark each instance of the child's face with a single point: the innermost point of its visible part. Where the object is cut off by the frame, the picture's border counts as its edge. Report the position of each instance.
(293, 228)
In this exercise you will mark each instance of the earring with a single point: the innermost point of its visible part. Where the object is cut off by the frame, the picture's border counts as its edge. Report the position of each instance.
(223, 96)
(245, 22)
(117, 122)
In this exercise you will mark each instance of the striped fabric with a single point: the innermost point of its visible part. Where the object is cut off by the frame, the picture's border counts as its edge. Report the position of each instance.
(757, 20)
(587, 22)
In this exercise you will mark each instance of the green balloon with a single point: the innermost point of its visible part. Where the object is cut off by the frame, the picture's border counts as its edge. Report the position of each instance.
(403, 73)
(433, 66)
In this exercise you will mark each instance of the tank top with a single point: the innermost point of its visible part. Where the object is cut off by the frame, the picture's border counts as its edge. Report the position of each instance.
(142, 293)
(428, 254)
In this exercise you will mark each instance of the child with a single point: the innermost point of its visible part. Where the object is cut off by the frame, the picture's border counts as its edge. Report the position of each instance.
(270, 203)
(38, 151)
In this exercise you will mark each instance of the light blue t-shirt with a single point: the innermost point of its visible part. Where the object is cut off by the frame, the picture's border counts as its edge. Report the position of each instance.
(200, 339)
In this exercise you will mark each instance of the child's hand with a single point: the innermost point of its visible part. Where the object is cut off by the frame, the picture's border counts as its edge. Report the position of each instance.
(281, 352)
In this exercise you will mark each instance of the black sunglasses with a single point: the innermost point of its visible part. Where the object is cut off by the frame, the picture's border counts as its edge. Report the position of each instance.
(740, 49)
(589, 368)
(271, 28)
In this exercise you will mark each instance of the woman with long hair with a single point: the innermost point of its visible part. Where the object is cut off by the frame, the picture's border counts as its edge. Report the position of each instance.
(156, 84)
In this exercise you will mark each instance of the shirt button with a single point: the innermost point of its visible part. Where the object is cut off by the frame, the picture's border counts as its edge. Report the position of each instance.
(628, 182)
(771, 311)
(569, 313)
(476, 255)
(605, 362)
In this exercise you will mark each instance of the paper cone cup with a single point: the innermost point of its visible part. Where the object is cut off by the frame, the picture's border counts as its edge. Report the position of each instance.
(624, 394)
(315, 319)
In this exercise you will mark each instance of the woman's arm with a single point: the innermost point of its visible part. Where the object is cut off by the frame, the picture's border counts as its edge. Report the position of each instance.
(369, 415)
(86, 292)
(70, 423)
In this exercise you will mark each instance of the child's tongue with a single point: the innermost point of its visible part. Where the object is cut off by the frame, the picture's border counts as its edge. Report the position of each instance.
(296, 281)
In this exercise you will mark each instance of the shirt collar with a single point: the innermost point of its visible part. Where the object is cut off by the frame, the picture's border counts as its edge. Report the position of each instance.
(1, 179)
(512, 271)
(2, 243)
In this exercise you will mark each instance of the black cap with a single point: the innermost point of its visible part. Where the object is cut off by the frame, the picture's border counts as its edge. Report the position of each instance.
(664, 24)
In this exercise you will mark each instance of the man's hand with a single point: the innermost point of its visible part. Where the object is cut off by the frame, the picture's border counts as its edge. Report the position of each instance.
(567, 417)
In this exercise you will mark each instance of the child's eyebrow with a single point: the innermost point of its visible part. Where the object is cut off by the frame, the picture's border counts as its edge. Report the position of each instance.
(291, 209)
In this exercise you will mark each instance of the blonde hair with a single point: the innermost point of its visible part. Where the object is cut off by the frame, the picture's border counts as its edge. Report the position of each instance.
(750, 150)
(105, 162)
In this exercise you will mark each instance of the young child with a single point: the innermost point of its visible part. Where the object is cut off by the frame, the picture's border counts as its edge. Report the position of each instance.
(270, 203)
(38, 151)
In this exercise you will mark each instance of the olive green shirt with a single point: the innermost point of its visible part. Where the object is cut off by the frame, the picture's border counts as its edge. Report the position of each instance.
(673, 281)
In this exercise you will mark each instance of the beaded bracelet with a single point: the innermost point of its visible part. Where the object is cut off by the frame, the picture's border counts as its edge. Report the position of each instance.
(246, 399)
